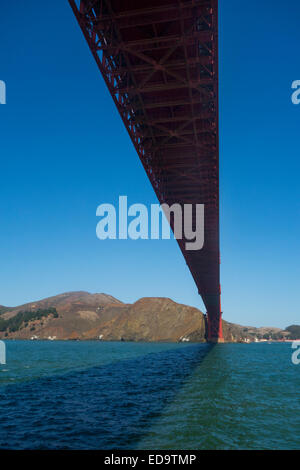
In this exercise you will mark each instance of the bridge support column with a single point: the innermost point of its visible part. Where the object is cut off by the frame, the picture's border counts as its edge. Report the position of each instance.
(214, 328)
(214, 318)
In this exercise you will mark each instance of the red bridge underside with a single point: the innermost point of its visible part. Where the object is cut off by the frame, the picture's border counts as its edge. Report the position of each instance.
(159, 59)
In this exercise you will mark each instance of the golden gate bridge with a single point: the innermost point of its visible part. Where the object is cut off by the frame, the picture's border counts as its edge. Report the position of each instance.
(159, 60)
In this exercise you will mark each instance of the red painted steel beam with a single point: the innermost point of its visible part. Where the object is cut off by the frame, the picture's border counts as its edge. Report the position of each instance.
(159, 60)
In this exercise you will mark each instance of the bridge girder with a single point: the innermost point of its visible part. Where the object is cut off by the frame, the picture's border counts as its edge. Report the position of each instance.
(159, 60)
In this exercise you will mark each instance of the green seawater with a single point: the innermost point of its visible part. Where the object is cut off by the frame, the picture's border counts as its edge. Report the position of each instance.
(96, 395)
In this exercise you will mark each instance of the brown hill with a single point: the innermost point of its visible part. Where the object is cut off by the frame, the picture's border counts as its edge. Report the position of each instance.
(150, 319)
(64, 301)
(81, 315)
(77, 313)
(3, 309)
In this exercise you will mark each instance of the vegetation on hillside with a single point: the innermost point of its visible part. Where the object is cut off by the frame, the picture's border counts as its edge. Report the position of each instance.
(23, 317)
(294, 331)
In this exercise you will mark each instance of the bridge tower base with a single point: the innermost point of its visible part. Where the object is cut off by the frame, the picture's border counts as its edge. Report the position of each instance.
(214, 319)
(214, 327)
(216, 340)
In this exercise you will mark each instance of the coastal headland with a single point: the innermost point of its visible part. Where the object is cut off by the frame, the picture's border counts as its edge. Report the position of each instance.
(85, 316)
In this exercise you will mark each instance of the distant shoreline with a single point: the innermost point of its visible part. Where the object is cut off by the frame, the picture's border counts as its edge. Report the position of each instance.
(94, 340)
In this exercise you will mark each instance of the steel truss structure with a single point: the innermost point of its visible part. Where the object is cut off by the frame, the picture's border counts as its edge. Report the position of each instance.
(159, 59)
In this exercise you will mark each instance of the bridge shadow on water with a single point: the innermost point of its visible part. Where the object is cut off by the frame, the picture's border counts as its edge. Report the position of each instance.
(110, 406)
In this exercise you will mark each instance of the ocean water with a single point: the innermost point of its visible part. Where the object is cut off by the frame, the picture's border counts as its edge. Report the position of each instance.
(94, 395)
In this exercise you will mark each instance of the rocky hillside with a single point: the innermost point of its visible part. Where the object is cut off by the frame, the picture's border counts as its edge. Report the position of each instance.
(81, 315)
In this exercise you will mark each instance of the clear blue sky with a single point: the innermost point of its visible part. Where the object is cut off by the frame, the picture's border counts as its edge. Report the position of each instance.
(64, 151)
